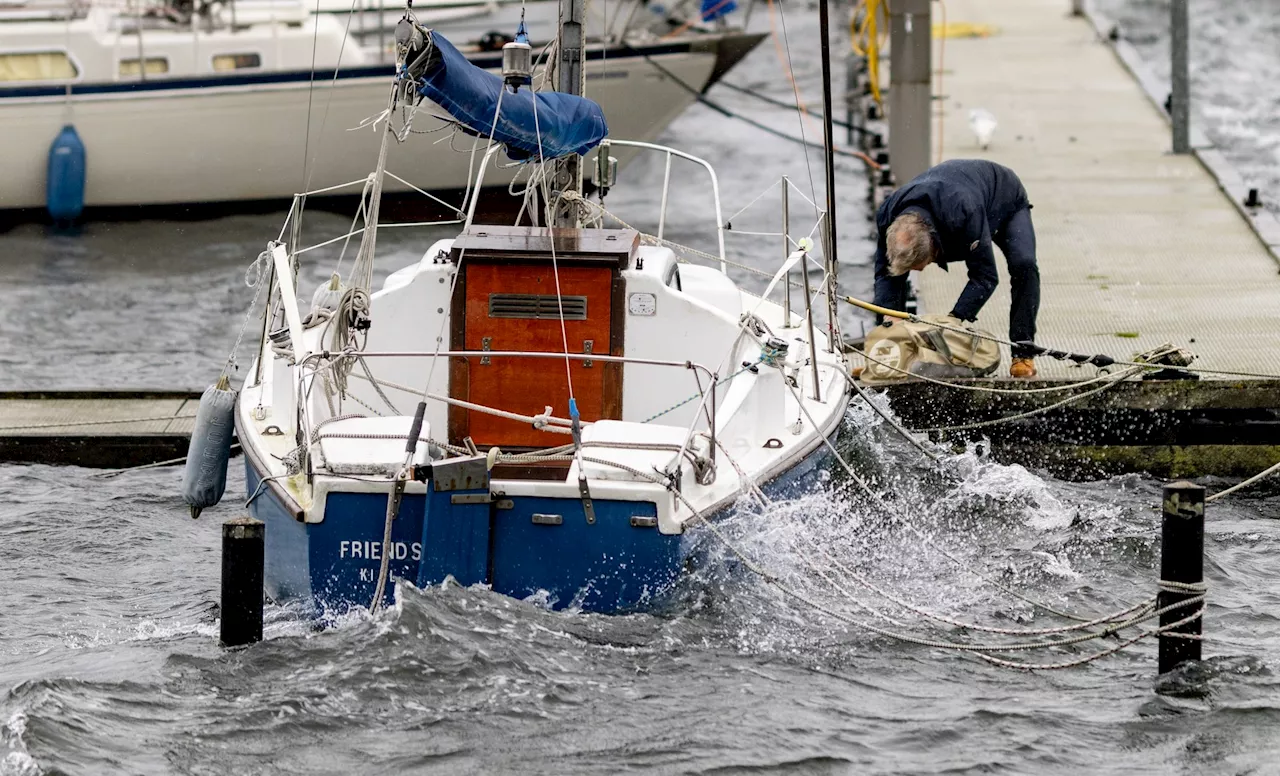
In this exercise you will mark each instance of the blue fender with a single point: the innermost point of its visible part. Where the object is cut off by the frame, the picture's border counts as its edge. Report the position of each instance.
(64, 196)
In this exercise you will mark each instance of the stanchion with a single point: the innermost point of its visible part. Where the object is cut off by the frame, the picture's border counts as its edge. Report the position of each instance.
(1181, 571)
(243, 546)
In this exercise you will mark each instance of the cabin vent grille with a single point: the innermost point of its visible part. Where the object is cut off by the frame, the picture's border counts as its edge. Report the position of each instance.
(536, 306)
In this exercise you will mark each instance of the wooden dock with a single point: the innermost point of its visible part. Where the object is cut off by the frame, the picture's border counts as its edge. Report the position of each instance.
(114, 429)
(1137, 247)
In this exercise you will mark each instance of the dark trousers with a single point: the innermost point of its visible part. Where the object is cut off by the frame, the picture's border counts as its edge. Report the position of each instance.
(1017, 241)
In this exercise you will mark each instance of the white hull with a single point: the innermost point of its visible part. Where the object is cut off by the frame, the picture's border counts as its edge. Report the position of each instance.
(237, 142)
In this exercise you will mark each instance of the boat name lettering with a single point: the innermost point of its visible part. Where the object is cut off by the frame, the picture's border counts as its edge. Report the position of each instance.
(373, 550)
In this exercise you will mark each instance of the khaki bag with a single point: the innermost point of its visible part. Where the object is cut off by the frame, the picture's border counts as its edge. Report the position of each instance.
(906, 348)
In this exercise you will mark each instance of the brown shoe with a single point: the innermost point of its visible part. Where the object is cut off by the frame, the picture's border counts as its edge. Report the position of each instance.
(856, 372)
(1023, 368)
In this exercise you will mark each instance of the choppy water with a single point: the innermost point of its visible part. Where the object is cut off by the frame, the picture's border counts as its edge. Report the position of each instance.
(108, 592)
(109, 664)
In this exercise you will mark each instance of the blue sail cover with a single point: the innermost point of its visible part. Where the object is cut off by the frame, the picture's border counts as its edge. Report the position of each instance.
(714, 9)
(566, 123)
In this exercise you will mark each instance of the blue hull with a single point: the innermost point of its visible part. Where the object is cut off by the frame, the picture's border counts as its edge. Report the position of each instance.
(610, 566)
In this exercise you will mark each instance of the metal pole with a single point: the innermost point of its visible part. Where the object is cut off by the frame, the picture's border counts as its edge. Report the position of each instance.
(1180, 107)
(243, 543)
(808, 306)
(569, 77)
(828, 140)
(266, 322)
(666, 186)
(1181, 563)
(1077, 7)
(142, 57)
(910, 87)
(786, 250)
(833, 322)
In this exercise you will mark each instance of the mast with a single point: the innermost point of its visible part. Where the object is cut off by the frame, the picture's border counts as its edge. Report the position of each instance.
(570, 79)
(828, 144)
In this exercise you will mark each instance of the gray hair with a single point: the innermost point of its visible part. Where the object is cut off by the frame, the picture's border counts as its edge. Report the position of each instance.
(908, 243)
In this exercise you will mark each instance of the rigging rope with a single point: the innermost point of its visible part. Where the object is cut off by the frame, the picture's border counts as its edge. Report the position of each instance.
(788, 68)
(774, 101)
(1038, 410)
(887, 416)
(1255, 478)
(904, 519)
(700, 97)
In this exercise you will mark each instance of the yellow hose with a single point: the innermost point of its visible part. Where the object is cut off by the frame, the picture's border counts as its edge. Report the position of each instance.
(875, 308)
(865, 39)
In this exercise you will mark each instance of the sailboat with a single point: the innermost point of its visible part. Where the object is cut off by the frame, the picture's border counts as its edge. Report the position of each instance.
(218, 102)
(546, 408)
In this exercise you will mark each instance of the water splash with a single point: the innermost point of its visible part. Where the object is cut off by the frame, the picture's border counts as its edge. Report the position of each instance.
(16, 761)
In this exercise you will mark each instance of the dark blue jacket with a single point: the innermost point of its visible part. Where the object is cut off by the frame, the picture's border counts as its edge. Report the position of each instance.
(964, 201)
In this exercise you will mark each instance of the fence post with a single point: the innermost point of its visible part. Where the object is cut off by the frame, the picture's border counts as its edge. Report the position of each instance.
(1182, 564)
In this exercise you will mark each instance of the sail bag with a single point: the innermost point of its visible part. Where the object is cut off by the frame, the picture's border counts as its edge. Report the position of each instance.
(900, 349)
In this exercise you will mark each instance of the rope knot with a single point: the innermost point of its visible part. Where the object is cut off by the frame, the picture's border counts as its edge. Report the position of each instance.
(542, 419)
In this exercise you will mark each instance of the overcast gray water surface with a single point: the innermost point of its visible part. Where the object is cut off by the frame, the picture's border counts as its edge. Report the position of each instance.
(108, 616)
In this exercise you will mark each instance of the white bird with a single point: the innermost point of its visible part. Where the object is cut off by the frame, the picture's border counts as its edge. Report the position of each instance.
(983, 124)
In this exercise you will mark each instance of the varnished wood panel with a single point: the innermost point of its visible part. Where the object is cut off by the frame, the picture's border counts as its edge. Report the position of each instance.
(527, 385)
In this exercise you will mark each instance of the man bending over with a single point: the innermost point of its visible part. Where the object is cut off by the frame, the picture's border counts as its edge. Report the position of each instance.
(953, 213)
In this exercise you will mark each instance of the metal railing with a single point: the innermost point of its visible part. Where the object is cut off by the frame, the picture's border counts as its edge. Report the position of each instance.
(310, 366)
(666, 187)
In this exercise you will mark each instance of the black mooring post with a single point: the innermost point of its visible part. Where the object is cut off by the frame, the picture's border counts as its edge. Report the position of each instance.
(242, 558)
(1181, 562)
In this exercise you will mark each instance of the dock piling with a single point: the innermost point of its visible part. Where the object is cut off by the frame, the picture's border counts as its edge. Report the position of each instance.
(243, 545)
(1180, 98)
(1181, 571)
(910, 87)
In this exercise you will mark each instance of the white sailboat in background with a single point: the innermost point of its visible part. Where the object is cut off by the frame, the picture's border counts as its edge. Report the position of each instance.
(171, 105)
